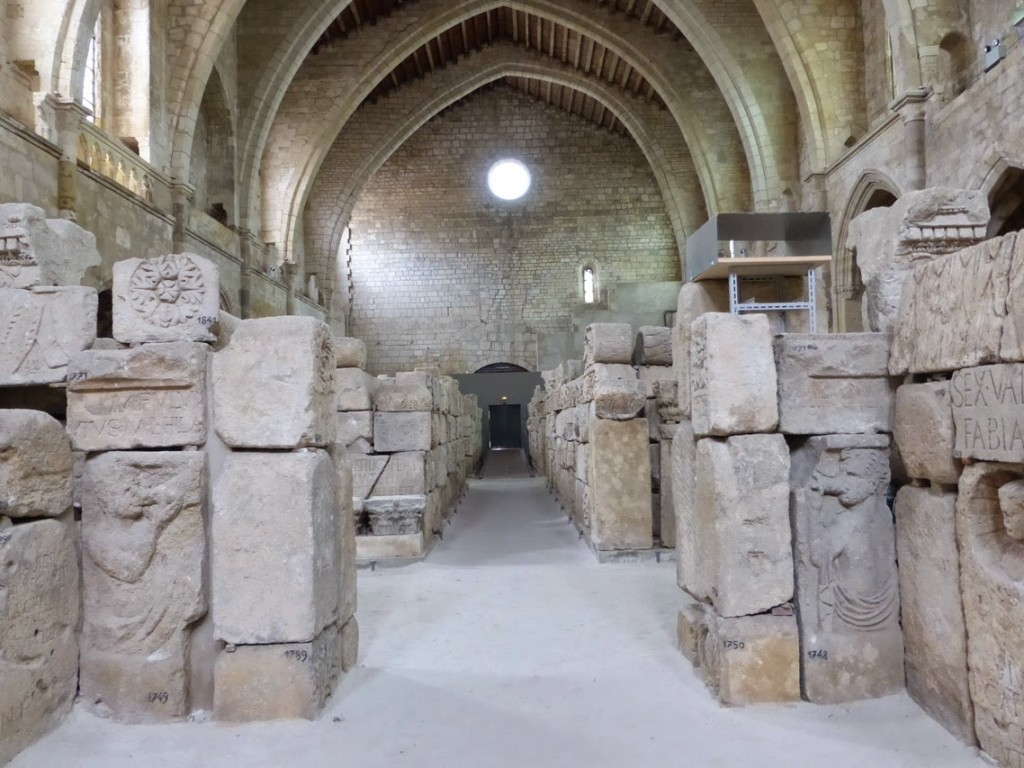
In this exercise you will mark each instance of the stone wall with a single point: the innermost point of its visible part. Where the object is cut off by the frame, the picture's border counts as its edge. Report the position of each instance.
(445, 274)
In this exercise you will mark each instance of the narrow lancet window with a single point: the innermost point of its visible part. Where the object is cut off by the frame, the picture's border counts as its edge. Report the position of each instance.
(588, 285)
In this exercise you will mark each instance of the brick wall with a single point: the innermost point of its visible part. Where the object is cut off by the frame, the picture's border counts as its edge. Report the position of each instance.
(446, 274)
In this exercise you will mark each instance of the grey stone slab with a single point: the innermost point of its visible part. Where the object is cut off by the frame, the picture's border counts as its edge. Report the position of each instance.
(175, 297)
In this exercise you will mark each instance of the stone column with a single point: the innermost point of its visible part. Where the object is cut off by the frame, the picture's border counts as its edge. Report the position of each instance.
(181, 205)
(68, 117)
(913, 110)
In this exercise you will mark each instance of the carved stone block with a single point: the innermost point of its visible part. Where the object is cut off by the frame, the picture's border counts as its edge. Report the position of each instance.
(153, 396)
(988, 412)
(834, 383)
(35, 465)
(354, 430)
(354, 390)
(271, 682)
(620, 492)
(653, 346)
(175, 297)
(932, 609)
(394, 432)
(143, 547)
(607, 343)
(695, 299)
(733, 384)
(349, 352)
(35, 250)
(991, 546)
(742, 562)
(617, 391)
(274, 523)
(365, 471)
(750, 659)
(399, 397)
(39, 599)
(395, 515)
(40, 331)
(847, 585)
(273, 386)
(923, 431)
(404, 475)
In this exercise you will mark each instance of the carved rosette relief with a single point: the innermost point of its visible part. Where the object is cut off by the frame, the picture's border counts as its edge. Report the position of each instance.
(167, 291)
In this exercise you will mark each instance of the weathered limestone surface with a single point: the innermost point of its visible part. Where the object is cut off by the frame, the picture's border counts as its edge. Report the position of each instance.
(690, 624)
(920, 227)
(403, 475)
(653, 346)
(667, 434)
(742, 561)
(923, 431)
(684, 500)
(695, 299)
(365, 472)
(175, 297)
(834, 383)
(41, 329)
(607, 343)
(617, 391)
(988, 412)
(35, 465)
(349, 644)
(153, 396)
(934, 631)
(847, 586)
(400, 396)
(620, 485)
(345, 528)
(274, 522)
(349, 352)
(273, 387)
(992, 579)
(354, 390)
(35, 250)
(408, 431)
(270, 682)
(733, 385)
(143, 547)
(751, 659)
(977, 293)
(354, 430)
(39, 612)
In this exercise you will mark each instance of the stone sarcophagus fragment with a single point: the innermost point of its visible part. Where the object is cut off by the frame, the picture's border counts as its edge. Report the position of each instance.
(847, 585)
(143, 546)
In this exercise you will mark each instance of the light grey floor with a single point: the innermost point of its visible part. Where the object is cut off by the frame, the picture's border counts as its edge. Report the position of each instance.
(510, 646)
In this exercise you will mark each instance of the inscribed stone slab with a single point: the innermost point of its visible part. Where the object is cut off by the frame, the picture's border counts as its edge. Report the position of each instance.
(932, 610)
(35, 465)
(143, 547)
(274, 524)
(394, 432)
(41, 329)
(404, 475)
(39, 612)
(175, 297)
(988, 412)
(153, 396)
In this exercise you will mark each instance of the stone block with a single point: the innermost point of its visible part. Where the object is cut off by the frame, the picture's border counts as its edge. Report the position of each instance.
(153, 396)
(175, 297)
(345, 528)
(41, 330)
(273, 386)
(365, 472)
(690, 627)
(39, 612)
(932, 610)
(35, 250)
(668, 509)
(274, 523)
(695, 299)
(733, 384)
(847, 586)
(620, 475)
(651, 376)
(396, 515)
(396, 432)
(401, 397)
(750, 659)
(988, 413)
(923, 431)
(382, 547)
(349, 352)
(742, 560)
(834, 383)
(683, 457)
(403, 475)
(992, 578)
(607, 343)
(354, 390)
(143, 550)
(653, 346)
(349, 644)
(617, 391)
(354, 430)
(35, 465)
(277, 681)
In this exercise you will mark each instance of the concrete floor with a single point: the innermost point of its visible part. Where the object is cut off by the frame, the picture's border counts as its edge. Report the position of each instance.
(510, 646)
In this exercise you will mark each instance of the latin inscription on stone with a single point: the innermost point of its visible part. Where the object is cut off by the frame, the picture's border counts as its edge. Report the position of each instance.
(988, 412)
(365, 471)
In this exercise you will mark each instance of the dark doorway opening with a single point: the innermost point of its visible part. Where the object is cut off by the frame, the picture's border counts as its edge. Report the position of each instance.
(505, 426)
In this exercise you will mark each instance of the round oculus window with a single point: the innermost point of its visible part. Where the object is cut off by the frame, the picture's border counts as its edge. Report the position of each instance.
(508, 179)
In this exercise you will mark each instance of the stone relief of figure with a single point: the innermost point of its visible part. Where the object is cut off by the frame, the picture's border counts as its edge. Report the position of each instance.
(853, 549)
